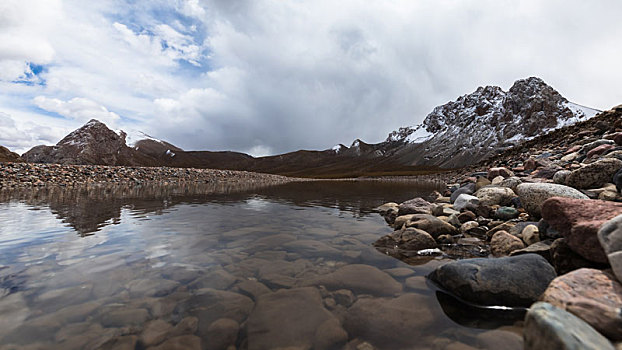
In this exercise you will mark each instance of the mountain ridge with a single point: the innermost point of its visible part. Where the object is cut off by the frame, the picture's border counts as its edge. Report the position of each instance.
(459, 133)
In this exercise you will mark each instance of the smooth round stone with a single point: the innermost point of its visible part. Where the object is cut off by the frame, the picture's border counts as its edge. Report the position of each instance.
(511, 281)
(532, 195)
(548, 327)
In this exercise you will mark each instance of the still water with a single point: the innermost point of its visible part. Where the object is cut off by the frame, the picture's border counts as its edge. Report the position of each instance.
(222, 267)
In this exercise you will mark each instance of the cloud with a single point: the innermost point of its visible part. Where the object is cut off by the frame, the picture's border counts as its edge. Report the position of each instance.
(276, 76)
(80, 109)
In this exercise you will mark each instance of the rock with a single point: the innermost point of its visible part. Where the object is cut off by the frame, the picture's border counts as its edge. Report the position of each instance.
(217, 279)
(595, 174)
(445, 239)
(501, 171)
(120, 343)
(253, 289)
(565, 259)
(288, 319)
(495, 195)
(500, 339)
(345, 297)
(511, 281)
(617, 180)
(431, 224)
(387, 208)
(401, 220)
(503, 243)
(209, 305)
(464, 228)
(221, 334)
(155, 332)
(481, 182)
(151, 287)
(497, 181)
(394, 323)
(512, 183)
(330, 335)
(548, 327)
(465, 200)
(466, 189)
(124, 317)
(597, 151)
(610, 238)
(579, 220)
(361, 279)
(541, 248)
(467, 215)
(592, 295)
(560, 176)
(532, 195)
(618, 139)
(570, 157)
(531, 234)
(590, 146)
(313, 249)
(415, 206)
(415, 239)
(184, 342)
(506, 213)
(530, 164)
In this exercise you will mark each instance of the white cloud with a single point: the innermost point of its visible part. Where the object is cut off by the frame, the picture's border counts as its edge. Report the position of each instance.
(286, 75)
(80, 109)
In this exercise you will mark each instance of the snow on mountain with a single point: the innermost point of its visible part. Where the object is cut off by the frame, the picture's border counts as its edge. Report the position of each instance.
(476, 125)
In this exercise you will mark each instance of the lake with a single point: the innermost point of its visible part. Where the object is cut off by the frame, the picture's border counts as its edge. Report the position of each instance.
(223, 266)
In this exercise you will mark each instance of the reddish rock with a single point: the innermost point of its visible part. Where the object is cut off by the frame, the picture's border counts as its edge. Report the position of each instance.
(618, 139)
(599, 150)
(579, 220)
(501, 171)
(573, 149)
(592, 295)
(530, 164)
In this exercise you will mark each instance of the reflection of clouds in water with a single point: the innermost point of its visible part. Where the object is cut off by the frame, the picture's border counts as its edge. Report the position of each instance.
(257, 204)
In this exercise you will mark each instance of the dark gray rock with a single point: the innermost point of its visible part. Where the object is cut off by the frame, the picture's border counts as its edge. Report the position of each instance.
(466, 189)
(510, 281)
(548, 327)
(610, 237)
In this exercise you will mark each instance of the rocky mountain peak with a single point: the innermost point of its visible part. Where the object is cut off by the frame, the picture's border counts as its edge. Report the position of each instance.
(479, 124)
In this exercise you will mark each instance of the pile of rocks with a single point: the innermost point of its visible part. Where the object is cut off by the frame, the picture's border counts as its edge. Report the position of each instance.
(551, 223)
(19, 175)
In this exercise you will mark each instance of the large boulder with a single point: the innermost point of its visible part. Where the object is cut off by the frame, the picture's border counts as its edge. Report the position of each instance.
(512, 281)
(391, 323)
(594, 175)
(532, 195)
(361, 279)
(610, 238)
(293, 319)
(493, 195)
(579, 220)
(415, 206)
(548, 327)
(592, 295)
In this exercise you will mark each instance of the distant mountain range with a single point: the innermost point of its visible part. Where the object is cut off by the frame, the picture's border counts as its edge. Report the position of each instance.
(456, 134)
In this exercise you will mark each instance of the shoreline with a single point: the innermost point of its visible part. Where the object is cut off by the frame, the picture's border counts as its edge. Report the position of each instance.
(25, 175)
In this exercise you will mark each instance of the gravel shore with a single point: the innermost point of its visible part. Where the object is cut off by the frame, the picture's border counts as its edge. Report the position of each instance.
(20, 175)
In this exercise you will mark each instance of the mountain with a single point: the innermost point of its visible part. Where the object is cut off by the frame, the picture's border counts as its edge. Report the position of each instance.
(93, 143)
(485, 122)
(459, 133)
(7, 156)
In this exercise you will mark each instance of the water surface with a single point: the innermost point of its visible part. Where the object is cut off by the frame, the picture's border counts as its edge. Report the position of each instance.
(221, 267)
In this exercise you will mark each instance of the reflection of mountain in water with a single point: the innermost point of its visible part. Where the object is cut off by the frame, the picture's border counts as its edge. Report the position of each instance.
(87, 209)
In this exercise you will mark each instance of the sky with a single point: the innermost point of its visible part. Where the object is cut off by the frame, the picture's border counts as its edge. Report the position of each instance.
(273, 76)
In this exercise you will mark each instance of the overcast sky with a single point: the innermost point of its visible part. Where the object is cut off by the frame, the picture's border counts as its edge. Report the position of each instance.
(272, 76)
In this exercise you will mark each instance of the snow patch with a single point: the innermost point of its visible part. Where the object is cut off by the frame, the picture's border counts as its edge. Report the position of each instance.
(419, 135)
(337, 148)
(133, 136)
(169, 153)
